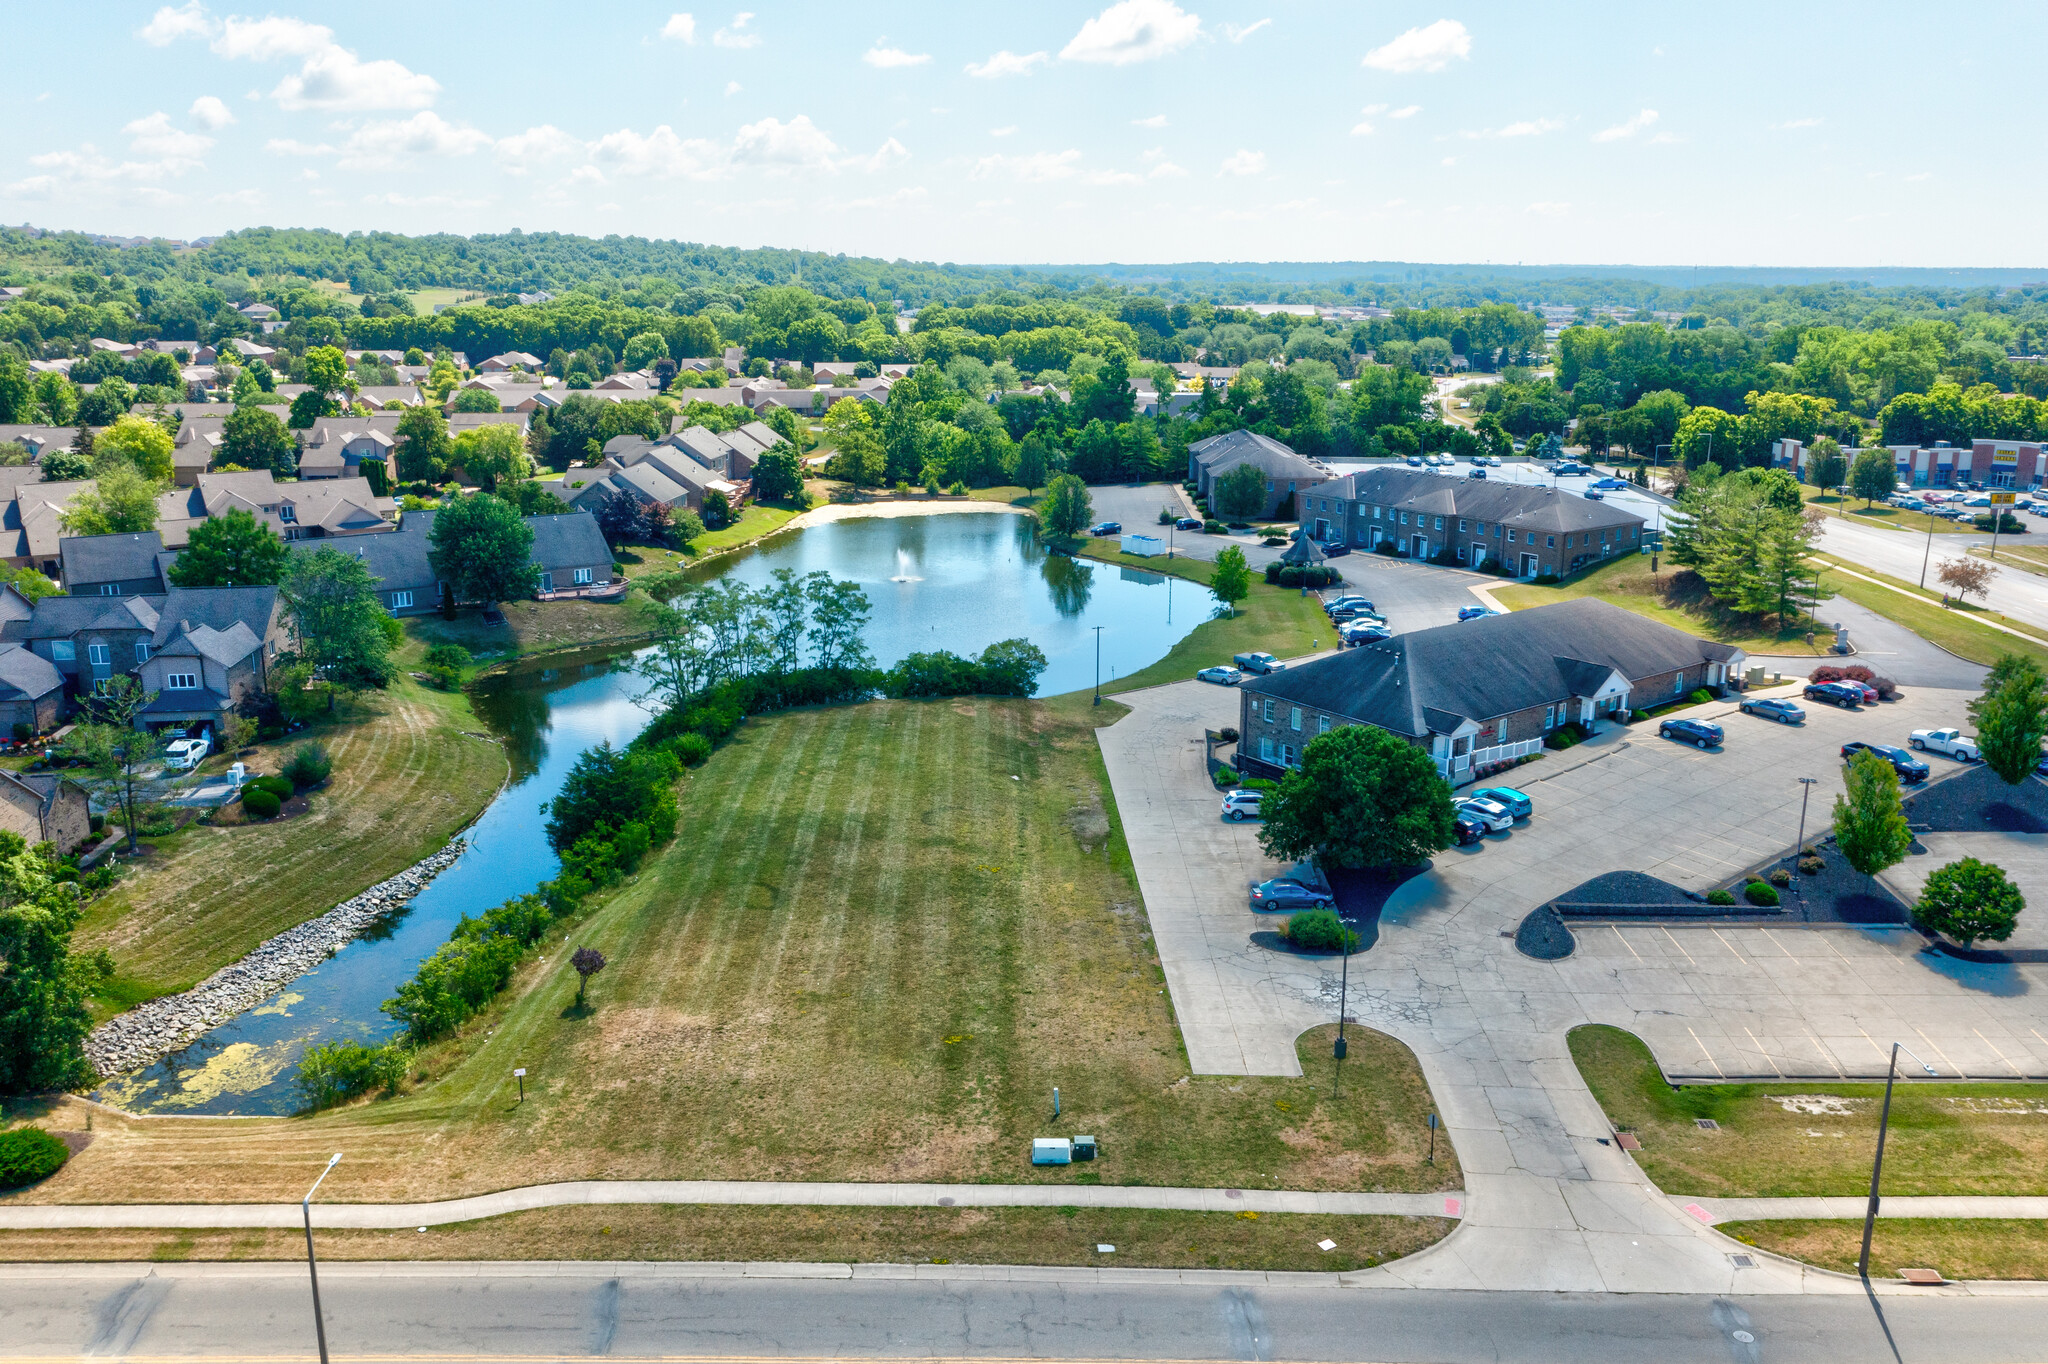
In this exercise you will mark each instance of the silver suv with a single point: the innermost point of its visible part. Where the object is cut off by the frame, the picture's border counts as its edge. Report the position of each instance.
(1239, 803)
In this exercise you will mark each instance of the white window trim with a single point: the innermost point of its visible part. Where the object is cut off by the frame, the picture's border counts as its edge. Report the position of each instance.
(582, 577)
(181, 681)
(142, 651)
(401, 600)
(1266, 747)
(1294, 719)
(99, 655)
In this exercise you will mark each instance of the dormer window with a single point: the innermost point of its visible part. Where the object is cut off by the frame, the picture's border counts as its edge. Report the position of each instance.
(287, 514)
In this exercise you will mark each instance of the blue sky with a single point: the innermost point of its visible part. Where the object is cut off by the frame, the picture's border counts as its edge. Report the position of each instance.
(1142, 131)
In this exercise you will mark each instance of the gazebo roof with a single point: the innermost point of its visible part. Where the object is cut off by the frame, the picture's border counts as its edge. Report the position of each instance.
(1303, 550)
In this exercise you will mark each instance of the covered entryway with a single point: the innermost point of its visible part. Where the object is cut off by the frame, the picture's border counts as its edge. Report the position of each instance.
(1528, 565)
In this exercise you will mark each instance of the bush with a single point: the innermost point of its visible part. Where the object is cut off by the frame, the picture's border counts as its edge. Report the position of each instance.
(309, 766)
(29, 1154)
(23, 732)
(1228, 734)
(958, 489)
(1700, 696)
(259, 803)
(1226, 776)
(1320, 930)
(1887, 690)
(335, 1072)
(1295, 575)
(1781, 877)
(1720, 897)
(691, 750)
(1547, 580)
(1812, 866)
(1757, 893)
(277, 786)
(1565, 736)
(154, 820)
(1213, 528)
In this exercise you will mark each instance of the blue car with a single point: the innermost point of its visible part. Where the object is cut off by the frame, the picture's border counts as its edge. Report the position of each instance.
(1513, 801)
(1608, 484)
(1475, 612)
(1697, 732)
(1107, 528)
(1910, 769)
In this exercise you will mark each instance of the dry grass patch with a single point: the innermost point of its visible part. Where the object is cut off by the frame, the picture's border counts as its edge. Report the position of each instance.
(1961, 1248)
(1810, 1137)
(869, 955)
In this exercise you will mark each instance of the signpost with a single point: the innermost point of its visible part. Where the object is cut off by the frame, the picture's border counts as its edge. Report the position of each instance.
(520, 1075)
(2000, 501)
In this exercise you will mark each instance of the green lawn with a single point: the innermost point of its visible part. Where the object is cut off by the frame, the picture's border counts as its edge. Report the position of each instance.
(1976, 1138)
(1674, 596)
(531, 627)
(1961, 1248)
(1883, 515)
(2016, 553)
(1956, 628)
(756, 520)
(870, 955)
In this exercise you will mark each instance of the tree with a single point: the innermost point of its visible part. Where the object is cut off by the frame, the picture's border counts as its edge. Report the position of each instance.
(308, 408)
(779, 477)
(44, 1019)
(491, 455)
(65, 466)
(839, 622)
(332, 601)
(1066, 508)
(1873, 475)
(1965, 577)
(2012, 717)
(532, 500)
(1825, 467)
(588, 961)
(477, 400)
(137, 442)
(644, 349)
(1870, 825)
(57, 397)
(255, 438)
(117, 753)
(326, 370)
(123, 503)
(1360, 797)
(1968, 901)
(1011, 667)
(423, 447)
(483, 549)
(233, 549)
(1232, 579)
(1241, 492)
(1032, 464)
(718, 513)
(17, 390)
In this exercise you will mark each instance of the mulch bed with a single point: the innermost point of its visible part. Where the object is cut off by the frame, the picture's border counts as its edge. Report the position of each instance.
(1978, 801)
(1542, 935)
(1639, 895)
(1836, 894)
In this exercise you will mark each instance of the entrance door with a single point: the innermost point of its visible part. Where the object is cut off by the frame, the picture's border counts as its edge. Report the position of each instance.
(1419, 547)
(1322, 530)
(1528, 565)
(1478, 553)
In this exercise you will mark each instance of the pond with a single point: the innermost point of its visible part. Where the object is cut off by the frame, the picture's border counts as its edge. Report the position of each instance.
(958, 581)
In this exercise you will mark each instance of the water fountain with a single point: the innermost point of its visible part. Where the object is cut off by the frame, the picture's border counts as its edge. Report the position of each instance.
(904, 563)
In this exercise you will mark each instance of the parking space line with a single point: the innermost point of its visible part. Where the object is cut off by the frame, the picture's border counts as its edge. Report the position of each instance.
(1731, 948)
(1827, 1051)
(1881, 1051)
(1625, 942)
(1766, 1055)
(1704, 1052)
(1774, 942)
(1679, 945)
(1999, 1054)
(1935, 1047)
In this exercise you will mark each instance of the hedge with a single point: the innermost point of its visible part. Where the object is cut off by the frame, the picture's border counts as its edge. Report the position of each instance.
(29, 1154)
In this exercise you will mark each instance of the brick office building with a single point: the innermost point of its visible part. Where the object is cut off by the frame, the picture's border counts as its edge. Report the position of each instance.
(1533, 530)
(1480, 691)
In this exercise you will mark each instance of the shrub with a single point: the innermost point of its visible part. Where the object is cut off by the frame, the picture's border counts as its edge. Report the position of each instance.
(277, 786)
(958, 489)
(1294, 575)
(1226, 776)
(1213, 528)
(1564, 736)
(259, 803)
(1812, 866)
(1757, 893)
(309, 766)
(97, 822)
(1887, 689)
(335, 1072)
(448, 656)
(691, 750)
(1547, 580)
(1320, 930)
(154, 820)
(1273, 542)
(1700, 696)
(1781, 877)
(29, 1154)
(902, 488)
(1720, 897)
(23, 732)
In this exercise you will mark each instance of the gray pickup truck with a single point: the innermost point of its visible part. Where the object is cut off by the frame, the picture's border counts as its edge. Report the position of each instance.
(1258, 663)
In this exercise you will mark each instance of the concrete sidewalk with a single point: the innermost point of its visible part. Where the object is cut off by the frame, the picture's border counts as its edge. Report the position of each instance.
(1720, 1210)
(585, 1193)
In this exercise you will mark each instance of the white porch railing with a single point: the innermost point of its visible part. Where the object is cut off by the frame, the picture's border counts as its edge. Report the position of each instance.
(1457, 767)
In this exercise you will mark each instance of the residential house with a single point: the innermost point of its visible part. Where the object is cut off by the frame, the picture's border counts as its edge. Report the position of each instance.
(126, 350)
(381, 397)
(129, 565)
(44, 807)
(676, 463)
(509, 361)
(459, 422)
(258, 312)
(639, 382)
(1532, 529)
(571, 552)
(1482, 691)
(310, 509)
(1286, 472)
(511, 397)
(31, 692)
(36, 438)
(732, 455)
(250, 350)
(645, 482)
(569, 549)
(30, 524)
(212, 647)
(335, 447)
(88, 640)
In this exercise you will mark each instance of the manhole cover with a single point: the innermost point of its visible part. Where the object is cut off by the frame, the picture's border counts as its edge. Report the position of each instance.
(1707, 1124)
(1744, 1337)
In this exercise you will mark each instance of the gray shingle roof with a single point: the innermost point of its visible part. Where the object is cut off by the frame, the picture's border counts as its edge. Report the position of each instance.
(1217, 453)
(109, 558)
(25, 674)
(1422, 682)
(218, 608)
(568, 541)
(63, 617)
(1478, 499)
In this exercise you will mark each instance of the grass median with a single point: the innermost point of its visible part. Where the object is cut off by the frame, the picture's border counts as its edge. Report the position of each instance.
(1958, 628)
(883, 936)
(1814, 1137)
(1961, 1248)
(1677, 597)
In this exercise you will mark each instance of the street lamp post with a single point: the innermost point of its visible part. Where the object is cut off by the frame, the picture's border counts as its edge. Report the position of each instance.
(312, 1270)
(1805, 790)
(1877, 1166)
(1343, 998)
(1927, 553)
(1098, 665)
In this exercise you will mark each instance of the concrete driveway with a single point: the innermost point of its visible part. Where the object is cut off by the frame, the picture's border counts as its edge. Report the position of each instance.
(2023, 856)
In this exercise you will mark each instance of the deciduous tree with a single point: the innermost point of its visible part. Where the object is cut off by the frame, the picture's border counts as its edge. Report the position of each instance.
(339, 623)
(1232, 579)
(123, 503)
(2012, 717)
(1969, 901)
(255, 438)
(44, 1018)
(1066, 509)
(1870, 825)
(423, 446)
(137, 442)
(1873, 475)
(1240, 492)
(1361, 797)
(483, 549)
(233, 549)
(1965, 577)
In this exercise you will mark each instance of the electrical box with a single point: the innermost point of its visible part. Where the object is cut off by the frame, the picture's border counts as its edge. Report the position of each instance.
(1084, 1148)
(1052, 1151)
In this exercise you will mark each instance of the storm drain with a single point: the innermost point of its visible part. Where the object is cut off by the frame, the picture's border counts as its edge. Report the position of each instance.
(1706, 1124)
(1743, 1261)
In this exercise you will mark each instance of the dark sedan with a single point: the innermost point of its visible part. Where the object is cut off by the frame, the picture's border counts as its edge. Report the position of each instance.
(1774, 708)
(1188, 523)
(1691, 732)
(1287, 893)
(1835, 694)
(1909, 768)
(1107, 528)
(1469, 830)
(1336, 549)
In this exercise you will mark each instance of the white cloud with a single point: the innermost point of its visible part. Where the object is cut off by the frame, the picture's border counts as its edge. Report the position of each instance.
(1547, 209)
(681, 28)
(1110, 177)
(1005, 63)
(1166, 170)
(1430, 48)
(544, 142)
(169, 24)
(334, 78)
(1033, 167)
(1406, 111)
(1916, 179)
(1528, 127)
(903, 198)
(1361, 129)
(1627, 129)
(88, 167)
(1133, 31)
(1372, 110)
(291, 146)
(263, 39)
(735, 34)
(1798, 123)
(1238, 35)
(209, 112)
(732, 88)
(888, 58)
(659, 153)
(1243, 163)
(242, 198)
(1002, 132)
(1156, 121)
(890, 153)
(377, 145)
(153, 135)
(783, 146)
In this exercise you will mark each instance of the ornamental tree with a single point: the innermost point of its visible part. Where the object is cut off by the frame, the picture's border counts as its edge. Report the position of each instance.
(233, 549)
(483, 549)
(2012, 717)
(1870, 825)
(1359, 798)
(1968, 901)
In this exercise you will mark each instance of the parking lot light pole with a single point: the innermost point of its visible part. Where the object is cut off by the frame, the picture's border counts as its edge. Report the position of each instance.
(1799, 845)
(1098, 665)
(1877, 1166)
(312, 1270)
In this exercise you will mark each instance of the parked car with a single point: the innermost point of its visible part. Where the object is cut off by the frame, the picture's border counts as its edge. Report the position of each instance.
(1475, 612)
(1509, 799)
(1496, 818)
(1353, 604)
(1698, 732)
(1571, 468)
(1228, 677)
(1107, 528)
(1287, 893)
(1834, 694)
(182, 755)
(1188, 523)
(1240, 804)
(1468, 829)
(1363, 632)
(1773, 708)
(1415, 460)
(1476, 473)
(1336, 549)
(1949, 741)
(1595, 495)
(1909, 768)
(1608, 484)
(1863, 689)
(1258, 663)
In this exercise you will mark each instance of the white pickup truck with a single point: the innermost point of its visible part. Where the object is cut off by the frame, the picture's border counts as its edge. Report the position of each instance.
(1949, 741)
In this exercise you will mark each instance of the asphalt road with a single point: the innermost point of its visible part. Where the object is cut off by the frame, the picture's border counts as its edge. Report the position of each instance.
(638, 1311)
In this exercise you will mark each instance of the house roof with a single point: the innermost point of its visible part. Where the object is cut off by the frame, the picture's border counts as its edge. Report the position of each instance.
(1422, 682)
(26, 675)
(108, 558)
(458, 422)
(63, 617)
(1520, 504)
(186, 701)
(568, 541)
(225, 647)
(218, 609)
(36, 437)
(1217, 453)
(398, 560)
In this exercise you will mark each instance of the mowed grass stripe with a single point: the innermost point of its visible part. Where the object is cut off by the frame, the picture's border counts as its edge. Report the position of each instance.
(786, 863)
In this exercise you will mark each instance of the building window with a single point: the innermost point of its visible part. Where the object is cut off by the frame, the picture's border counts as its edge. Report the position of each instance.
(1567, 542)
(1678, 684)
(1404, 518)
(400, 600)
(1323, 724)
(1550, 542)
(1287, 755)
(1549, 716)
(547, 582)
(286, 514)
(1439, 523)
(582, 577)
(1461, 524)
(1375, 513)
(110, 589)
(1267, 713)
(63, 651)
(99, 655)
(1511, 537)
(181, 681)
(1294, 718)
(142, 651)
(1496, 531)
(1266, 748)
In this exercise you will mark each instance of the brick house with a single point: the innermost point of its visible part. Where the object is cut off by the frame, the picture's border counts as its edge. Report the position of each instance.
(1533, 530)
(1480, 691)
(1287, 473)
(44, 808)
(31, 691)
